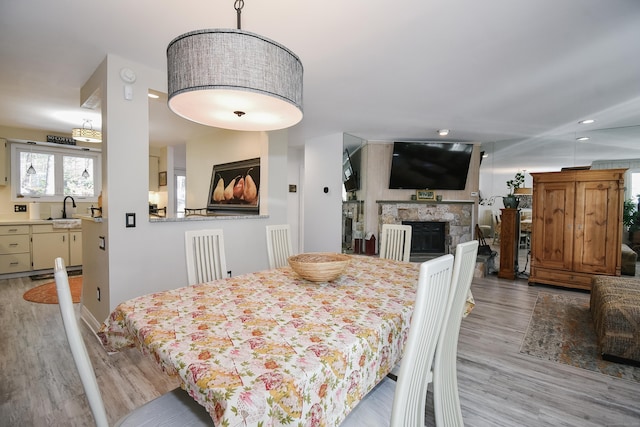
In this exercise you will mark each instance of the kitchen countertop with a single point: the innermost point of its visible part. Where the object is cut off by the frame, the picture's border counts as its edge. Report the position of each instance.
(27, 221)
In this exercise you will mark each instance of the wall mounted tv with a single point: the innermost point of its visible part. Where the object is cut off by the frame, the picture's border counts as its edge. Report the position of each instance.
(434, 165)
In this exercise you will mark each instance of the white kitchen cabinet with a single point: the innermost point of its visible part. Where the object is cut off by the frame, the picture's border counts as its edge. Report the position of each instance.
(15, 250)
(49, 243)
(75, 247)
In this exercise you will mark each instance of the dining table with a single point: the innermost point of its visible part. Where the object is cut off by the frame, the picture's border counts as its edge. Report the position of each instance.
(271, 348)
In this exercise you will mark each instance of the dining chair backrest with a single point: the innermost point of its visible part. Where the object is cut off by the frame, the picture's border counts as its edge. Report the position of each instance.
(395, 242)
(445, 383)
(78, 349)
(426, 323)
(279, 247)
(175, 408)
(205, 255)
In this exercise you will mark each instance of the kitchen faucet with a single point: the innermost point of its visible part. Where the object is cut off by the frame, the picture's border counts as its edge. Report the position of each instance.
(64, 205)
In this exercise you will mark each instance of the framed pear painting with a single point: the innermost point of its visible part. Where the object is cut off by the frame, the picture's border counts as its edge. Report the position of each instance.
(235, 186)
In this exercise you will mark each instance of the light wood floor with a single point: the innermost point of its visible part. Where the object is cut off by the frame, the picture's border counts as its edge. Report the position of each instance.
(498, 385)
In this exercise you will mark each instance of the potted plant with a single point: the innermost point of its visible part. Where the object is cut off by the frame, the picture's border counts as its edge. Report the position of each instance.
(631, 219)
(511, 201)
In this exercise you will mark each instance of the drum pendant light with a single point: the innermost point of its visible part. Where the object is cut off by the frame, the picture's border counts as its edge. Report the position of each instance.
(86, 133)
(234, 79)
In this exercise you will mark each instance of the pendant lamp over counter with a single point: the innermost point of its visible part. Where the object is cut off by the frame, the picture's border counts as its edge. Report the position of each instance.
(86, 134)
(234, 79)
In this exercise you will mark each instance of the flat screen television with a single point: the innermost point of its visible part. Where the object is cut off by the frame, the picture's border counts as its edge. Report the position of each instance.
(351, 170)
(430, 164)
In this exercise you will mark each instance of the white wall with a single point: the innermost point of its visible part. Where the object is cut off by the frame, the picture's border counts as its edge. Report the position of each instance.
(323, 211)
(295, 157)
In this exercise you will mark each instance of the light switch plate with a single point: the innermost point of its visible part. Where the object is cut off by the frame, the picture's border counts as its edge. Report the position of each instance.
(130, 219)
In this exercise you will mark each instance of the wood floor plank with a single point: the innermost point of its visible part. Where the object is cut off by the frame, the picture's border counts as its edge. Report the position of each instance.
(498, 385)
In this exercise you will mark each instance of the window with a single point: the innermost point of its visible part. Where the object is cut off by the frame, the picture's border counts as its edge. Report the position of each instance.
(46, 172)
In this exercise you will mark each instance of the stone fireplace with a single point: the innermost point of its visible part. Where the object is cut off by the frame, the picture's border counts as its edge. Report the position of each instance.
(438, 227)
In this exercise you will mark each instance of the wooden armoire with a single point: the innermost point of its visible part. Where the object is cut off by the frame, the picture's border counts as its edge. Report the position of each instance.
(577, 226)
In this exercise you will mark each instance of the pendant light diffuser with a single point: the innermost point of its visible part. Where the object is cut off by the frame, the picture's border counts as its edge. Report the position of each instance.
(234, 79)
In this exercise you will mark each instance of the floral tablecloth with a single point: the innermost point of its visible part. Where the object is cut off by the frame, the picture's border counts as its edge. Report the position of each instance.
(272, 348)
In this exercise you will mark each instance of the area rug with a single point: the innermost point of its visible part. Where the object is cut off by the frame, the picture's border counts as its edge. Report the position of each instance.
(561, 330)
(47, 294)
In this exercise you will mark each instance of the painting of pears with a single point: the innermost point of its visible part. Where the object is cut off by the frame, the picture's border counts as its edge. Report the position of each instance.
(235, 186)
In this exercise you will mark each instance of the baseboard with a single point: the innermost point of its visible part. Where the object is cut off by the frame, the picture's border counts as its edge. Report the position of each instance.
(90, 320)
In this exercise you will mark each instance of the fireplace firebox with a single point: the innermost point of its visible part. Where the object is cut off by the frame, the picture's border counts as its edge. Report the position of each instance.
(428, 237)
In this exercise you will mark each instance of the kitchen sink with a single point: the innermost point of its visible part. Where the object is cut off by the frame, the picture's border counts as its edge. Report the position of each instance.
(67, 223)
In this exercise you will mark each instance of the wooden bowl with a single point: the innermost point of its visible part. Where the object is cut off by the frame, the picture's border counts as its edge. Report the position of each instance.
(319, 266)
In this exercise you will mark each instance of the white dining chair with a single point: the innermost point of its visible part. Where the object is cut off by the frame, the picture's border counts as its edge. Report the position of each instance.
(403, 404)
(175, 408)
(446, 400)
(395, 242)
(279, 247)
(205, 255)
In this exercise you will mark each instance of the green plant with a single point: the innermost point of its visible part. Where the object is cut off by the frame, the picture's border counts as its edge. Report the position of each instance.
(631, 215)
(515, 183)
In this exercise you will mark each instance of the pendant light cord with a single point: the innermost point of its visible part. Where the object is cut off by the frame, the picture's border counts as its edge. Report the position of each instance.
(238, 5)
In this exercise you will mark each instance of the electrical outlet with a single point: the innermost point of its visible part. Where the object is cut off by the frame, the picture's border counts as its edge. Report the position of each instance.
(229, 273)
(19, 208)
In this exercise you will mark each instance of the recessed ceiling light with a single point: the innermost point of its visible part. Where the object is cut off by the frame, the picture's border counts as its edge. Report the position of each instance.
(443, 132)
(586, 121)
(582, 138)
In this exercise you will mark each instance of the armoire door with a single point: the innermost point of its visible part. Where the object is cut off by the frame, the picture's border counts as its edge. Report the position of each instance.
(596, 225)
(553, 216)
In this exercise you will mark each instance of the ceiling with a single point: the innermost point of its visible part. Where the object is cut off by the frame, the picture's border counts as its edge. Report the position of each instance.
(490, 70)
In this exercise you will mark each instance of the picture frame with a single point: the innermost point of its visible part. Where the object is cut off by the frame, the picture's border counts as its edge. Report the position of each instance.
(235, 198)
(425, 195)
(162, 179)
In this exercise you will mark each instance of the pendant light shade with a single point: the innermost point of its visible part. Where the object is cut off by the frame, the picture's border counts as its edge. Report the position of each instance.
(86, 134)
(234, 79)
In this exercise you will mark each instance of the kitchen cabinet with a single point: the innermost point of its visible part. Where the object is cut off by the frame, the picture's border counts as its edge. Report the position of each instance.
(15, 249)
(48, 243)
(576, 226)
(75, 247)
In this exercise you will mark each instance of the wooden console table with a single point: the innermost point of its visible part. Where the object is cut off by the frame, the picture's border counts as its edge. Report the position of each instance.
(509, 239)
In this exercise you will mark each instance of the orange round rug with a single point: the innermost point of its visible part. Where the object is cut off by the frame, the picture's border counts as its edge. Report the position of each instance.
(47, 294)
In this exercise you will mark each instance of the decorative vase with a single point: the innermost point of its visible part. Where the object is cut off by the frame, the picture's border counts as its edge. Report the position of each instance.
(510, 202)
